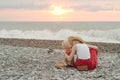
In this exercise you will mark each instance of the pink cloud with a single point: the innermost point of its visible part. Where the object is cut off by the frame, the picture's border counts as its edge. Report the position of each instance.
(45, 15)
(96, 16)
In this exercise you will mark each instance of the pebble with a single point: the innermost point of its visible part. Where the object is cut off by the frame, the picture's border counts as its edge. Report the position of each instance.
(25, 63)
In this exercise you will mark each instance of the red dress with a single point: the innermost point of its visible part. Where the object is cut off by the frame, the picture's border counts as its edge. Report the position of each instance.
(91, 63)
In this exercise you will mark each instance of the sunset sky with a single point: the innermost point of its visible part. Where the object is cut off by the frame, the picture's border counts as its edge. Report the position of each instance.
(59, 10)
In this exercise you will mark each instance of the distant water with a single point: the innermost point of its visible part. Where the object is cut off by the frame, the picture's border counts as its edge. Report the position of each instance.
(90, 31)
(56, 26)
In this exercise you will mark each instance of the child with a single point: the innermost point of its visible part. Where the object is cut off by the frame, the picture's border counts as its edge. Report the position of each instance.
(67, 47)
(86, 54)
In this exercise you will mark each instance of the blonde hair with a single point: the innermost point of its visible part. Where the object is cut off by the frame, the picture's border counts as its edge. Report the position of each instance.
(66, 44)
(75, 38)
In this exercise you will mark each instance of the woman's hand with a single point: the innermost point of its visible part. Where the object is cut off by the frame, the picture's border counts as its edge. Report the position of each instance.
(92, 46)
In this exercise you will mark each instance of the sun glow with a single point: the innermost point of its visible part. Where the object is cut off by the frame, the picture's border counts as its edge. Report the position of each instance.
(59, 10)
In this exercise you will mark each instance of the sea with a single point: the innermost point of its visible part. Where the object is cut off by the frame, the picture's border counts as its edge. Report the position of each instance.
(90, 31)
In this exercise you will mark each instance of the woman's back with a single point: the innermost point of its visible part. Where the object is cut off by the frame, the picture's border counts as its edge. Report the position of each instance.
(83, 51)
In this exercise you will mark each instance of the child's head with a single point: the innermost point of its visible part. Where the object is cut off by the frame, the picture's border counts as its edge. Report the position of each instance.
(66, 44)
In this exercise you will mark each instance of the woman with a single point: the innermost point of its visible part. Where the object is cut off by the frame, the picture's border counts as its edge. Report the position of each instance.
(86, 54)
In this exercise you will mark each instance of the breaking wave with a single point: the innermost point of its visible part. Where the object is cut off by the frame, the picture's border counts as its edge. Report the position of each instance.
(88, 35)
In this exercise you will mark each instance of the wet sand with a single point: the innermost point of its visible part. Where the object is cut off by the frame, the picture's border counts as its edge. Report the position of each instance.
(35, 63)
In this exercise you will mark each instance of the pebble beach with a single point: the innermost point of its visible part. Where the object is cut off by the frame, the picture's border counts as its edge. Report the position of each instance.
(18, 62)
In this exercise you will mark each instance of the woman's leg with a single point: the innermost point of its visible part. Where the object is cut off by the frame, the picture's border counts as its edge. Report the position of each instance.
(82, 65)
(94, 59)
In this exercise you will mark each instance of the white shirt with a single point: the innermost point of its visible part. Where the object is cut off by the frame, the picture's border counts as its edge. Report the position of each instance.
(83, 51)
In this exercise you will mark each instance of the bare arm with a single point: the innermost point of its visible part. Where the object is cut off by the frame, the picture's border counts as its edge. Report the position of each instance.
(69, 57)
(92, 46)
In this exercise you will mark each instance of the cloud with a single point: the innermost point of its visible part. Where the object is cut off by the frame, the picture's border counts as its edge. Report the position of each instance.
(97, 5)
(23, 4)
(89, 5)
(24, 7)
(93, 8)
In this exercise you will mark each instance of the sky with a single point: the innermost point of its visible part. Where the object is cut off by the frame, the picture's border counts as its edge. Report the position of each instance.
(59, 10)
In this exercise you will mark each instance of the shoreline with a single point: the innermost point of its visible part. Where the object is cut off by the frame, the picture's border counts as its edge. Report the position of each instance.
(56, 44)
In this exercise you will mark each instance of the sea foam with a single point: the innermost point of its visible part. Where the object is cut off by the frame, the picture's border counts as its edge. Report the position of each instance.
(112, 36)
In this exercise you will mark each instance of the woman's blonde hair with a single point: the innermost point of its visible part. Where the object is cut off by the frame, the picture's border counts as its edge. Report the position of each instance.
(75, 38)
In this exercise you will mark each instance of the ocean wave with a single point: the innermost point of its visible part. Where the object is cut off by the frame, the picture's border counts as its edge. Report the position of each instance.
(88, 35)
